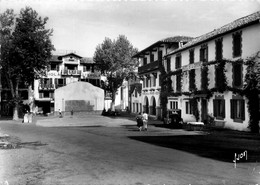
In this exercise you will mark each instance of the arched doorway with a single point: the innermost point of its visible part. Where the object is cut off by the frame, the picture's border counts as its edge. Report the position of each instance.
(153, 106)
(146, 105)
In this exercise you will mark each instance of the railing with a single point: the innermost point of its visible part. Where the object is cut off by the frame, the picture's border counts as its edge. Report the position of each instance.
(71, 72)
(46, 86)
(149, 67)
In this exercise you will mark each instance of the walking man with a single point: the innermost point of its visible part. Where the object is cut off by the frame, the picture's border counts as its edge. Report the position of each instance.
(145, 121)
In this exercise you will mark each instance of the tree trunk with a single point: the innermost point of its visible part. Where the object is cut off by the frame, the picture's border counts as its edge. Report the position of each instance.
(16, 103)
(113, 101)
(15, 111)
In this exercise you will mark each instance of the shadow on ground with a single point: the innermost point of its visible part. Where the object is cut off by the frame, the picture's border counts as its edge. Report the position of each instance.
(218, 145)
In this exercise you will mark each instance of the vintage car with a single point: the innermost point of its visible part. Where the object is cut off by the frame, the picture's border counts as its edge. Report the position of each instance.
(173, 118)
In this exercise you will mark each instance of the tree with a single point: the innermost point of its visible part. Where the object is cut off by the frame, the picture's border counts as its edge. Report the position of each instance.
(26, 48)
(114, 59)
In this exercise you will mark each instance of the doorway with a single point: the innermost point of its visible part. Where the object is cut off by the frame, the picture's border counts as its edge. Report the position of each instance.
(204, 110)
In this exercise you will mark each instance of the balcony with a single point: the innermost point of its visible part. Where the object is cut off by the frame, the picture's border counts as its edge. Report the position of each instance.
(46, 86)
(71, 72)
(149, 67)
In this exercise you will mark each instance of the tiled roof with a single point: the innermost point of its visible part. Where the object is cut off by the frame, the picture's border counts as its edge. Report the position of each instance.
(69, 54)
(174, 39)
(237, 24)
(86, 60)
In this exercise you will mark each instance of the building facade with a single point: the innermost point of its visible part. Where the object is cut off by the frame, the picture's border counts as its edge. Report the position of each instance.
(208, 72)
(63, 70)
(149, 71)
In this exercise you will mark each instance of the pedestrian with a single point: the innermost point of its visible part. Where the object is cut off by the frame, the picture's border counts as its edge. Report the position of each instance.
(139, 121)
(60, 114)
(145, 121)
(71, 113)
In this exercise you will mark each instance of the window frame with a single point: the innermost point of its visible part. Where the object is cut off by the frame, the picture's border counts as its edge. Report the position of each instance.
(234, 75)
(204, 53)
(219, 108)
(219, 49)
(191, 56)
(234, 108)
(237, 44)
(178, 61)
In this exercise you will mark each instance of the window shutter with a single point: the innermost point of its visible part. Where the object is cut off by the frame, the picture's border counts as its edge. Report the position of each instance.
(206, 54)
(223, 108)
(41, 95)
(201, 57)
(215, 108)
(64, 81)
(232, 109)
(242, 109)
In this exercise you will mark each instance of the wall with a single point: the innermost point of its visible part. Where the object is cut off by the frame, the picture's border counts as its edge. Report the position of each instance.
(79, 96)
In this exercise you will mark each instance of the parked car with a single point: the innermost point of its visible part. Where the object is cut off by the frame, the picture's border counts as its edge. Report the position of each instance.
(173, 118)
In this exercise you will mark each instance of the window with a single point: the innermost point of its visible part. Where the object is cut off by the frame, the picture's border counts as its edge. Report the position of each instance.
(218, 77)
(160, 55)
(151, 57)
(178, 82)
(173, 104)
(135, 93)
(219, 49)
(204, 78)
(46, 94)
(86, 68)
(54, 67)
(178, 62)
(191, 56)
(237, 75)
(237, 44)
(192, 85)
(147, 82)
(219, 108)
(168, 64)
(237, 109)
(188, 107)
(133, 107)
(154, 81)
(204, 53)
(122, 93)
(145, 61)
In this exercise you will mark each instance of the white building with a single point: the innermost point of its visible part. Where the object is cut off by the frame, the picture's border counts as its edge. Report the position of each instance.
(63, 70)
(195, 74)
(149, 71)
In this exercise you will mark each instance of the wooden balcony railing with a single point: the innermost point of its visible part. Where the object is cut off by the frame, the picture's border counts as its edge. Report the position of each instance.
(46, 86)
(71, 72)
(149, 67)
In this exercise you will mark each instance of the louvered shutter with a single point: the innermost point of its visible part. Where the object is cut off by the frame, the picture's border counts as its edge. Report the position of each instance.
(223, 108)
(215, 107)
(206, 54)
(41, 95)
(242, 109)
(232, 109)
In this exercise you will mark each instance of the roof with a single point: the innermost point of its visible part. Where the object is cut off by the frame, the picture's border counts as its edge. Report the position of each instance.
(87, 60)
(58, 58)
(237, 24)
(69, 54)
(169, 40)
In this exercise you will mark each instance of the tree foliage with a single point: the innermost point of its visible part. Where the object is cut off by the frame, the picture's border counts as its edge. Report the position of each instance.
(26, 48)
(114, 59)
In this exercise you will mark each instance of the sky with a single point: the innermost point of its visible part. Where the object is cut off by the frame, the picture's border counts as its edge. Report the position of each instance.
(81, 25)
